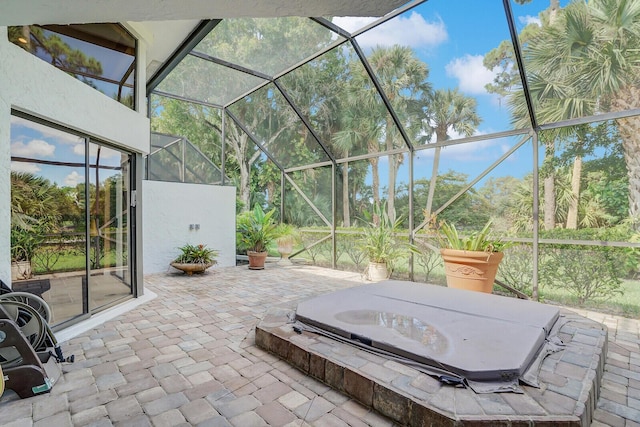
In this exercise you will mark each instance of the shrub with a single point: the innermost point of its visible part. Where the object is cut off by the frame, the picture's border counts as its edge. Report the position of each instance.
(426, 257)
(588, 274)
(626, 260)
(318, 251)
(516, 268)
(348, 244)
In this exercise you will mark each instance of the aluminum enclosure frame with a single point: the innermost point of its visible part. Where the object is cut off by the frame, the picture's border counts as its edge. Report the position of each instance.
(410, 149)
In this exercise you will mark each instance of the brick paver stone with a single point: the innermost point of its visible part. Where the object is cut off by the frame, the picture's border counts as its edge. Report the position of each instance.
(189, 357)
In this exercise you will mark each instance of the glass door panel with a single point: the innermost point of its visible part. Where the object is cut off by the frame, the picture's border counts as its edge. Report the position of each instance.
(48, 216)
(110, 271)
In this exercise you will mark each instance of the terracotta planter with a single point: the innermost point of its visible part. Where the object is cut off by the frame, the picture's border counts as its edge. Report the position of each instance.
(256, 260)
(189, 269)
(377, 271)
(471, 270)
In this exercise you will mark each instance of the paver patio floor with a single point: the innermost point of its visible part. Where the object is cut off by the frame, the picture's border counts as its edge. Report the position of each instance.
(188, 358)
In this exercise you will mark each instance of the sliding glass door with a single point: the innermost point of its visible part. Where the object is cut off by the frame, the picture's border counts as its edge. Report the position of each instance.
(70, 219)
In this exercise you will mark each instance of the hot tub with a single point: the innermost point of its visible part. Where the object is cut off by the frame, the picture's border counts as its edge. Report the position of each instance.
(461, 335)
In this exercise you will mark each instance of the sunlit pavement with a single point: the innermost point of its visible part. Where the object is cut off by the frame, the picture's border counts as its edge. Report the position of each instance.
(188, 358)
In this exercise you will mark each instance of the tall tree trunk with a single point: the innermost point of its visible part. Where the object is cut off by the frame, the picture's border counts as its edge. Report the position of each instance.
(572, 214)
(432, 184)
(549, 198)
(629, 129)
(396, 160)
(375, 186)
(549, 185)
(245, 186)
(631, 144)
(441, 135)
(346, 216)
(549, 203)
(391, 192)
(393, 173)
(271, 192)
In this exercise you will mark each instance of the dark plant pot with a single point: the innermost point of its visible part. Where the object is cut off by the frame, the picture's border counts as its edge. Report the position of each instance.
(256, 260)
(189, 269)
(471, 270)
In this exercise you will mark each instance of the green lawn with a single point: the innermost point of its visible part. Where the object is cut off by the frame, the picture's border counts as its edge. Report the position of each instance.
(69, 261)
(626, 304)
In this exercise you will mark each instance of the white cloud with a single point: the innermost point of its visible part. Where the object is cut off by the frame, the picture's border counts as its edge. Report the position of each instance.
(352, 23)
(475, 151)
(24, 167)
(105, 153)
(47, 132)
(488, 149)
(79, 149)
(413, 31)
(471, 73)
(528, 19)
(73, 179)
(33, 148)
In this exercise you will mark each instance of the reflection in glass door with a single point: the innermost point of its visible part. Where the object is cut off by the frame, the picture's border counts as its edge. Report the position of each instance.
(70, 220)
(110, 273)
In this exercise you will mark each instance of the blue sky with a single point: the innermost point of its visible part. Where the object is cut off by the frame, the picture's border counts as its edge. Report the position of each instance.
(452, 37)
(32, 140)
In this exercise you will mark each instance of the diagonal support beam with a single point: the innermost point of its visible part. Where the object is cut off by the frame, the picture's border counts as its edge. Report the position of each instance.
(475, 181)
(183, 50)
(254, 139)
(306, 199)
(383, 95)
(305, 120)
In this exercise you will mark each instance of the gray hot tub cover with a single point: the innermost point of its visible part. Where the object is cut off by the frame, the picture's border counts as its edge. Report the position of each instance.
(487, 342)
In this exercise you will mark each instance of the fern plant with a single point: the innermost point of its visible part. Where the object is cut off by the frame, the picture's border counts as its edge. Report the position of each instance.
(256, 230)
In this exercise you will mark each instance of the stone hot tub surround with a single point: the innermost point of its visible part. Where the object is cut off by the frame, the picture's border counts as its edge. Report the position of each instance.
(569, 380)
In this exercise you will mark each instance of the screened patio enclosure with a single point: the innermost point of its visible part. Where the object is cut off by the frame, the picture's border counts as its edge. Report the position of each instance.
(465, 111)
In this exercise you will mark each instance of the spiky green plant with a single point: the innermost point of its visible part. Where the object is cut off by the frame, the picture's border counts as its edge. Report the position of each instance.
(476, 241)
(196, 254)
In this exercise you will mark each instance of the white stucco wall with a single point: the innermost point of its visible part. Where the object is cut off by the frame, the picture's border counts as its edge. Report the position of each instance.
(169, 209)
(29, 84)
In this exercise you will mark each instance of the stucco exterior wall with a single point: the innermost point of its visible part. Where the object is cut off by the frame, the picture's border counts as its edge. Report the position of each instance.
(30, 85)
(169, 209)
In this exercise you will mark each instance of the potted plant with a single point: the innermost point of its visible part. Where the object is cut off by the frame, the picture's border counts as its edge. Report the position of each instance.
(380, 243)
(256, 231)
(23, 246)
(195, 258)
(470, 262)
(288, 236)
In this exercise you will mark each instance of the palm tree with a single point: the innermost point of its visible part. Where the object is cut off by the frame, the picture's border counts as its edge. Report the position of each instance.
(586, 61)
(448, 110)
(358, 127)
(34, 201)
(613, 68)
(502, 60)
(402, 76)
